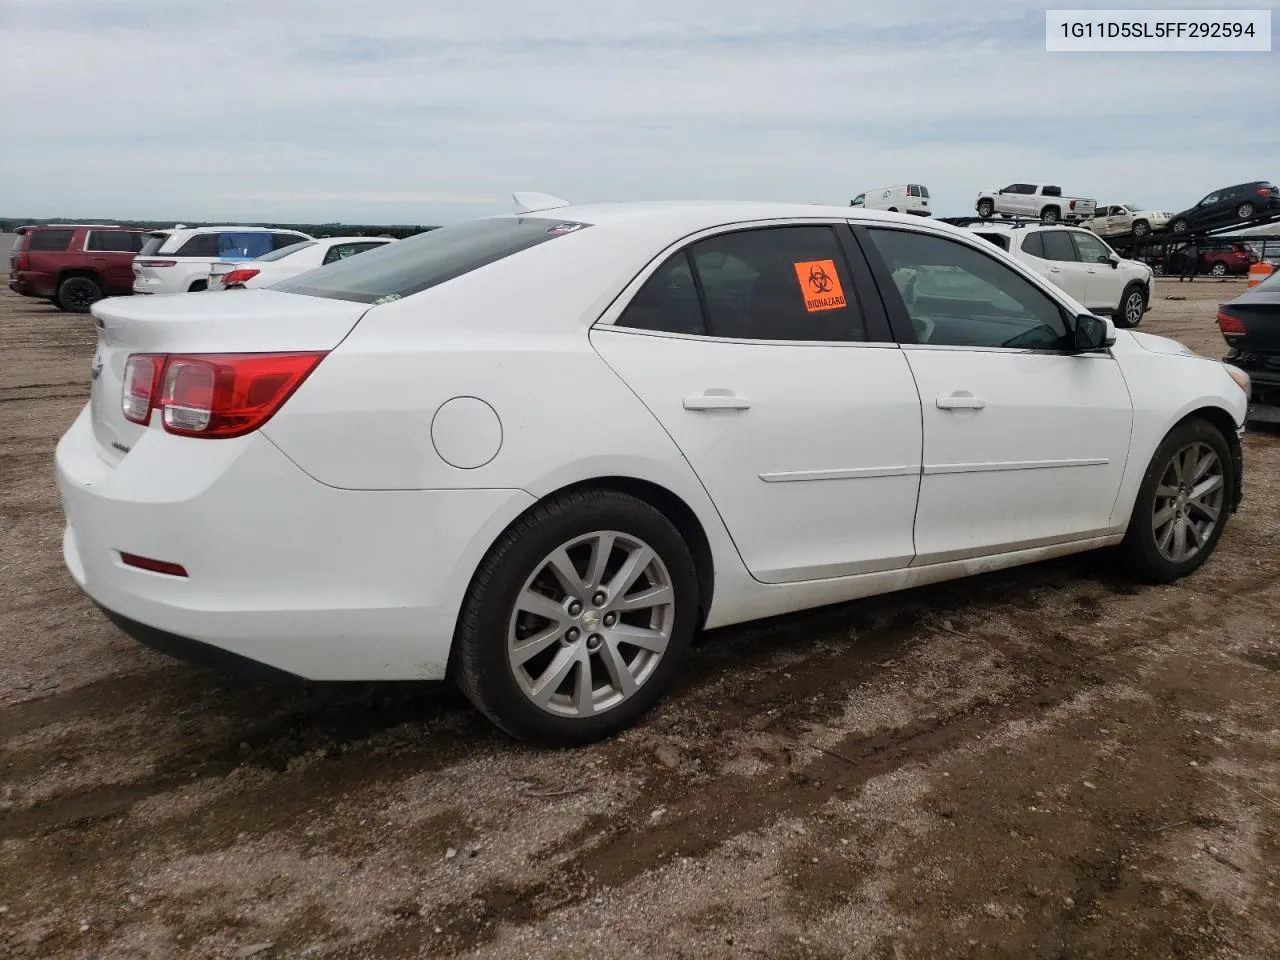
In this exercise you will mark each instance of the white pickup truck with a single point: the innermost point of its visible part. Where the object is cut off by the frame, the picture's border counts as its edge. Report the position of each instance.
(1042, 201)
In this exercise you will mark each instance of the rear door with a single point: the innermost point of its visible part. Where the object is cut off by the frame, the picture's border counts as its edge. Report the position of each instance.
(111, 253)
(761, 353)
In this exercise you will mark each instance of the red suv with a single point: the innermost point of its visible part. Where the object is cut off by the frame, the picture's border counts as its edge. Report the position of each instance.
(1216, 259)
(74, 265)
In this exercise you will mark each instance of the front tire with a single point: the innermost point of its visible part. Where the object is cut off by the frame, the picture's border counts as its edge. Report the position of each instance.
(1182, 505)
(1178, 226)
(1141, 229)
(577, 619)
(1132, 304)
(985, 209)
(78, 294)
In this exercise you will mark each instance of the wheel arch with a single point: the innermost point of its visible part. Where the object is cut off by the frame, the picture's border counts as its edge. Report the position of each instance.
(68, 272)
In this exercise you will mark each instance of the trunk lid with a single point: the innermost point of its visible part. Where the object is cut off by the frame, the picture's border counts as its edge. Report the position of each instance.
(254, 321)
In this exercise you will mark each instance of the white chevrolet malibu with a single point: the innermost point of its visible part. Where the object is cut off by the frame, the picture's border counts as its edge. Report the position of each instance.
(536, 453)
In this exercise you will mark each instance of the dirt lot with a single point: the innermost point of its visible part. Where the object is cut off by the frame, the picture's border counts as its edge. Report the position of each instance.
(1043, 763)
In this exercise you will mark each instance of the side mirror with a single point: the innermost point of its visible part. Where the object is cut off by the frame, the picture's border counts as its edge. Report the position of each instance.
(1114, 260)
(1093, 333)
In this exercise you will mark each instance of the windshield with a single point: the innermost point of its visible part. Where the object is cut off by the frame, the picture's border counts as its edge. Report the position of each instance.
(286, 251)
(409, 266)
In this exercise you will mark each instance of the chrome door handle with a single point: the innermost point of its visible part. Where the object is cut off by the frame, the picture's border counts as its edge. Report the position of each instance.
(956, 402)
(717, 400)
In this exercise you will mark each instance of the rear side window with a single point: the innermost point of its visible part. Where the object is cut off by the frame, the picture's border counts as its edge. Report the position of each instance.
(201, 245)
(245, 246)
(50, 240)
(668, 301)
(1051, 192)
(114, 241)
(1033, 245)
(1058, 246)
(153, 243)
(418, 263)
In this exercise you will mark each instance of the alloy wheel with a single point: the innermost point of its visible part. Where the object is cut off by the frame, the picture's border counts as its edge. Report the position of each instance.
(1133, 308)
(591, 624)
(1188, 501)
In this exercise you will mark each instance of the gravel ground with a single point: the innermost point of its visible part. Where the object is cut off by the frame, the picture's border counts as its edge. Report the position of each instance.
(1041, 763)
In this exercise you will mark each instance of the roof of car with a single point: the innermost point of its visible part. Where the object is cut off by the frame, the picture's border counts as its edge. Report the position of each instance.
(78, 226)
(694, 215)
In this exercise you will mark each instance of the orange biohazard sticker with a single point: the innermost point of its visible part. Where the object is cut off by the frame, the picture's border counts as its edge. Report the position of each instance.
(820, 284)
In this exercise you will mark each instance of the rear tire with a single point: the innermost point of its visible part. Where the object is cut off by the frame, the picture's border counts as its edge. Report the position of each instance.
(78, 294)
(1219, 269)
(1246, 211)
(1163, 503)
(1050, 215)
(1132, 302)
(577, 645)
(198, 286)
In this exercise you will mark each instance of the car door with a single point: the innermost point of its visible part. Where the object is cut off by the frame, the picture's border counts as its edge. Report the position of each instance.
(1104, 282)
(1062, 264)
(1025, 441)
(776, 376)
(111, 253)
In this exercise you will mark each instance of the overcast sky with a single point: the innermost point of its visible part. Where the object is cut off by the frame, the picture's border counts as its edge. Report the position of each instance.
(413, 111)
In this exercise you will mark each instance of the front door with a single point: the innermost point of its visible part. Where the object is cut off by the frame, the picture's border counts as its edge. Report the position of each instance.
(1105, 283)
(788, 399)
(1060, 264)
(1025, 443)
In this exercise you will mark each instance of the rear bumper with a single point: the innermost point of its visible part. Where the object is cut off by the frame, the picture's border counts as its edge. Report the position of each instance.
(30, 284)
(283, 571)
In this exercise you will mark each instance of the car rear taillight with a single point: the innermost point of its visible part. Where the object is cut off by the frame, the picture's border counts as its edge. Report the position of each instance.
(243, 275)
(141, 377)
(155, 263)
(217, 395)
(1072, 205)
(1266, 191)
(23, 262)
(1231, 326)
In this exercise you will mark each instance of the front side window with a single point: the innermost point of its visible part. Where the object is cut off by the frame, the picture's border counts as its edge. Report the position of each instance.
(859, 200)
(1210, 199)
(956, 295)
(1092, 250)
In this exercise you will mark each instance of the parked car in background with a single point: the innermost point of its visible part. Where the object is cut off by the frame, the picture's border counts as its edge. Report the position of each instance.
(1230, 205)
(402, 481)
(1043, 202)
(74, 265)
(907, 198)
(1081, 264)
(1251, 326)
(180, 260)
(1216, 259)
(1125, 219)
(290, 261)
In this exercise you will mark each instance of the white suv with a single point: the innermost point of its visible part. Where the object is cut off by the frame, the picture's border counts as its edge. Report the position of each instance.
(180, 260)
(1080, 263)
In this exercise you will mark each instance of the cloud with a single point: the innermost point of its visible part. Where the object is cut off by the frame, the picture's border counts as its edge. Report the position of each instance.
(394, 109)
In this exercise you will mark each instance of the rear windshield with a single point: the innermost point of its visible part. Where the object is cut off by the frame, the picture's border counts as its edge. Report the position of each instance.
(917, 190)
(417, 263)
(285, 251)
(153, 244)
(50, 239)
(999, 239)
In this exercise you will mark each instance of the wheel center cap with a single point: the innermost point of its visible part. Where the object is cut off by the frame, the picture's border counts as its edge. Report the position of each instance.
(591, 619)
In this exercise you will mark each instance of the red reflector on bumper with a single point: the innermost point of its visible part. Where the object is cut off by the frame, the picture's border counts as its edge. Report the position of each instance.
(155, 566)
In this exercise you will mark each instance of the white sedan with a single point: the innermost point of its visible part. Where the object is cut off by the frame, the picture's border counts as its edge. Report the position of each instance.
(290, 261)
(536, 453)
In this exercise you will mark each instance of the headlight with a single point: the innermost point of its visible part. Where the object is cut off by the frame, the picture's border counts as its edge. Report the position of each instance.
(1241, 378)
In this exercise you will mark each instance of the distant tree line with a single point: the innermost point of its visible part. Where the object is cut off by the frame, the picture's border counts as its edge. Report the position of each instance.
(397, 230)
